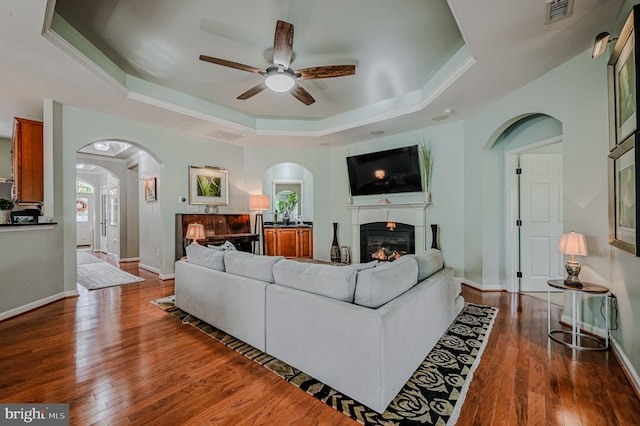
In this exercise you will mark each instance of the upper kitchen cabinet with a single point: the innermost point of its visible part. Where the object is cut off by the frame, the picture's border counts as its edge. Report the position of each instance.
(28, 161)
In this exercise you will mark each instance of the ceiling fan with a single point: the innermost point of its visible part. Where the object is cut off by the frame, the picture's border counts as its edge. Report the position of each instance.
(279, 77)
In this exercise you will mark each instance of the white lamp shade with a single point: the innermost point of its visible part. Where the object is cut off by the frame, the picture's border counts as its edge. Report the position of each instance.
(195, 231)
(258, 202)
(572, 244)
(279, 82)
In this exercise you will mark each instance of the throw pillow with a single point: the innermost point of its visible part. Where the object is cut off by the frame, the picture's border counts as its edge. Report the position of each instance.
(250, 265)
(429, 263)
(325, 280)
(204, 256)
(379, 285)
(228, 245)
(363, 266)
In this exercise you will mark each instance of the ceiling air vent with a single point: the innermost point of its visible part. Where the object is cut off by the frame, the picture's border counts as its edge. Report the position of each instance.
(558, 9)
(225, 136)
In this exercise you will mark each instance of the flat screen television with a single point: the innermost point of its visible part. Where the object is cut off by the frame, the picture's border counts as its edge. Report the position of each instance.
(385, 172)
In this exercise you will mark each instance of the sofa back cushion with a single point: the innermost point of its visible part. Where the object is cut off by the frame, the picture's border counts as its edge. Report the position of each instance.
(429, 263)
(204, 256)
(336, 282)
(250, 265)
(385, 282)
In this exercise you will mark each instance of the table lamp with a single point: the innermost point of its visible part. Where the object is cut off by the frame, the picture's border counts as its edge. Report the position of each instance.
(260, 203)
(574, 245)
(195, 231)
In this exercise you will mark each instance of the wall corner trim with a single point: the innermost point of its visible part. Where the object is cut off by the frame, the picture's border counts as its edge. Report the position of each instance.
(36, 304)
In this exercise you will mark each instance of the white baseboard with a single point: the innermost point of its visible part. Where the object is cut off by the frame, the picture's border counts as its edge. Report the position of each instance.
(130, 259)
(481, 287)
(156, 271)
(626, 365)
(584, 326)
(149, 268)
(38, 303)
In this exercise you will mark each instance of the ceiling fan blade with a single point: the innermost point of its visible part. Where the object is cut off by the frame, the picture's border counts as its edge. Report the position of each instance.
(231, 64)
(327, 71)
(253, 91)
(302, 95)
(283, 44)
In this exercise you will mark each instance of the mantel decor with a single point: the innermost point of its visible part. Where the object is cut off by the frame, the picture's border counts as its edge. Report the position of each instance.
(208, 185)
(623, 157)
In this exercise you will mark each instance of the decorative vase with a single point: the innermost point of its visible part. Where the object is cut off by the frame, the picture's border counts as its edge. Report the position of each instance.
(434, 236)
(427, 197)
(349, 200)
(5, 216)
(211, 209)
(344, 255)
(286, 219)
(335, 247)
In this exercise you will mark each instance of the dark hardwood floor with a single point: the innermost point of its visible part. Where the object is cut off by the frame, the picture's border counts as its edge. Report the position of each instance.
(117, 359)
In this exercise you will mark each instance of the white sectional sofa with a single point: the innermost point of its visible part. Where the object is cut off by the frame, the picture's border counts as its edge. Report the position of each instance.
(362, 331)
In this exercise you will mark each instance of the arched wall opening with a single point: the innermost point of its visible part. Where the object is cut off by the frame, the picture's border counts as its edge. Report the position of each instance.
(499, 193)
(128, 224)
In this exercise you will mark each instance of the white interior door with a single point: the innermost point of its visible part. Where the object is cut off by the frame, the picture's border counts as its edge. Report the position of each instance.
(85, 218)
(541, 215)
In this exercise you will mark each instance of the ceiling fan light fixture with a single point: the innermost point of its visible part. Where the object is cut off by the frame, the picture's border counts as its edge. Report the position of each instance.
(279, 81)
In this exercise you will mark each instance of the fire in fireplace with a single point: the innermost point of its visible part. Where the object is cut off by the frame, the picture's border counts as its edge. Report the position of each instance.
(382, 242)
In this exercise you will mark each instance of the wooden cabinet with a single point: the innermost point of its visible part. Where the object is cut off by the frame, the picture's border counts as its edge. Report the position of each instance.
(28, 161)
(289, 242)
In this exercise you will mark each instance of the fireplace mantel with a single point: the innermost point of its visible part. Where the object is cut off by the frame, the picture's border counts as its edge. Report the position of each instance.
(409, 213)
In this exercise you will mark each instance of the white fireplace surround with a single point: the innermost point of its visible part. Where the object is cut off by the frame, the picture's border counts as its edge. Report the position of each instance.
(409, 213)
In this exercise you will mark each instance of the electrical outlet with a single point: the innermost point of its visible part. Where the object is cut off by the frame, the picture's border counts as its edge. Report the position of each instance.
(158, 252)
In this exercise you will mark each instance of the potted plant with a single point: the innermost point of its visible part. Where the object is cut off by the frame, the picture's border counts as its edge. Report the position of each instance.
(5, 210)
(427, 168)
(285, 205)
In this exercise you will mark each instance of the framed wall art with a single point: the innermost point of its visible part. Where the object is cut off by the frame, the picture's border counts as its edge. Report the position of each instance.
(208, 185)
(623, 199)
(150, 193)
(622, 69)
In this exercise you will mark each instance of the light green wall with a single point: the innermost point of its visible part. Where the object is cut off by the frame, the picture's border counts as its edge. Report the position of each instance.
(174, 151)
(447, 206)
(575, 94)
(5, 158)
(258, 160)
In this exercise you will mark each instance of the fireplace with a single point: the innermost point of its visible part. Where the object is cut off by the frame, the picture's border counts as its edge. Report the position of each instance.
(412, 214)
(379, 241)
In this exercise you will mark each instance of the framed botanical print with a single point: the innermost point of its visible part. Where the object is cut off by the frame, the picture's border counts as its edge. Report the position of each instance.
(208, 185)
(622, 85)
(623, 200)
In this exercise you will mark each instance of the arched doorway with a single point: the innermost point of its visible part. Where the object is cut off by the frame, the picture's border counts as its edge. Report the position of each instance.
(117, 170)
(530, 150)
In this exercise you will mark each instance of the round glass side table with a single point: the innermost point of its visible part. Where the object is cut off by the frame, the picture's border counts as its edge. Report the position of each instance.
(576, 316)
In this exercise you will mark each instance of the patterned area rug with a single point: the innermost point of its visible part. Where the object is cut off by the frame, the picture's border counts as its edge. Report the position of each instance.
(94, 274)
(433, 395)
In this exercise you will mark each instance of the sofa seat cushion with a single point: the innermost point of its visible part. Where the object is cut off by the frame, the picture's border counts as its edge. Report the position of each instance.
(336, 282)
(204, 256)
(429, 263)
(385, 282)
(250, 265)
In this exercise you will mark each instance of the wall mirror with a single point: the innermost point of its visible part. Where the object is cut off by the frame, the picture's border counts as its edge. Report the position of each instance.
(282, 189)
(287, 178)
